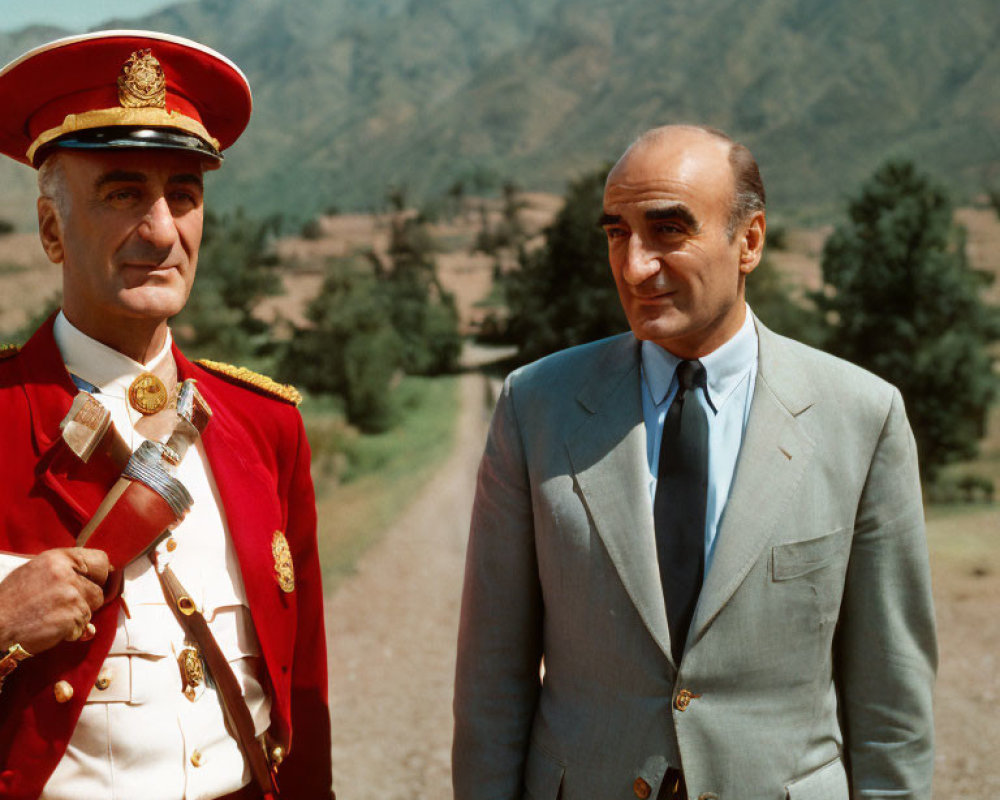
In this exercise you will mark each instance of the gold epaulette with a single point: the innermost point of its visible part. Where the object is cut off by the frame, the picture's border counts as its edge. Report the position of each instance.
(9, 350)
(247, 377)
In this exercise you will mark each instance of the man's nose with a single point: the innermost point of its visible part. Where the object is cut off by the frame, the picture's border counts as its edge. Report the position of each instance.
(157, 226)
(641, 263)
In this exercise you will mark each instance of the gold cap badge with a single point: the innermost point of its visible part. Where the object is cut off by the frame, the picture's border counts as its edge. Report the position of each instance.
(142, 83)
(283, 569)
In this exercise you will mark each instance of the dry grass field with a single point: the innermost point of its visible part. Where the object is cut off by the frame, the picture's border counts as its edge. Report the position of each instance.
(965, 558)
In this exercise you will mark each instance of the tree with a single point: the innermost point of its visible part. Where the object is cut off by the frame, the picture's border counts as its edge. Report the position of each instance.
(372, 319)
(994, 197)
(311, 230)
(456, 198)
(563, 294)
(509, 233)
(902, 300)
(350, 349)
(423, 313)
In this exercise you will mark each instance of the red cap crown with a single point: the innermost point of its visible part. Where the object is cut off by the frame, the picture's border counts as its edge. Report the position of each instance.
(111, 81)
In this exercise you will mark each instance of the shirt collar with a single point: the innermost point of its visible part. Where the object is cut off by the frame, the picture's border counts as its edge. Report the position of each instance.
(100, 365)
(725, 367)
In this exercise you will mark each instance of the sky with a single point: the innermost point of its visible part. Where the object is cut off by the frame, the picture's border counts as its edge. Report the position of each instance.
(72, 14)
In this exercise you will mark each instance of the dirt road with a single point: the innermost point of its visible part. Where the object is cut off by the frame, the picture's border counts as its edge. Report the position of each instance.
(391, 633)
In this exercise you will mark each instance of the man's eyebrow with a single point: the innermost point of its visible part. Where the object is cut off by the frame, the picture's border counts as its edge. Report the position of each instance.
(676, 212)
(120, 176)
(187, 178)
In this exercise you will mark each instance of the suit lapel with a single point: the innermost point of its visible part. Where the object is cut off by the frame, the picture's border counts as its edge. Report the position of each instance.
(608, 456)
(771, 463)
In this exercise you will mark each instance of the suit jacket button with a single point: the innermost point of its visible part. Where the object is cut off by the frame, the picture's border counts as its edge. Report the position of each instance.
(683, 699)
(641, 789)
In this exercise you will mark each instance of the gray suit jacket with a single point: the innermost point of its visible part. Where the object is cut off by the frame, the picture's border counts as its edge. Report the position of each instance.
(808, 670)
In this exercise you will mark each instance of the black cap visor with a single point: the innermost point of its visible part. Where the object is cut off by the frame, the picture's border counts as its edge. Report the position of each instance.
(121, 137)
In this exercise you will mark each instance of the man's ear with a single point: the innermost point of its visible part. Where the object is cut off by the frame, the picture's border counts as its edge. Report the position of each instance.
(752, 243)
(50, 230)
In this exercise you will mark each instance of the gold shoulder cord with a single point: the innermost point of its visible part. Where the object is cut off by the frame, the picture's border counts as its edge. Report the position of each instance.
(254, 380)
(9, 350)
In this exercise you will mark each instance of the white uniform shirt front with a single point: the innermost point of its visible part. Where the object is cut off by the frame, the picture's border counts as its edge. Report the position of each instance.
(139, 736)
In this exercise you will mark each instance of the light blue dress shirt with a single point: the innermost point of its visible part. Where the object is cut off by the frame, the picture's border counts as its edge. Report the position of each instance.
(731, 373)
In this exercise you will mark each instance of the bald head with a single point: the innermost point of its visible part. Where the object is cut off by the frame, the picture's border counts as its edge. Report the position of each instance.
(700, 142)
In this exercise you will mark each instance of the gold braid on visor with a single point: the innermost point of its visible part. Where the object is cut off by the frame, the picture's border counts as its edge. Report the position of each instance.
(111, 117)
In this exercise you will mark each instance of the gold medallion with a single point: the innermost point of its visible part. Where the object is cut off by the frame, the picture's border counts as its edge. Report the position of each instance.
(142, 83)
(283, 570)
(147, 394)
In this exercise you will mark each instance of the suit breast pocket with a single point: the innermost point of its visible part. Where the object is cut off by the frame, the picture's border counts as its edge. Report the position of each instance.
(809, 576)
(797, 559)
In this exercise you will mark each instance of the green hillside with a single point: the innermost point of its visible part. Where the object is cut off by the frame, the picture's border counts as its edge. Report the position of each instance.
(355, 95)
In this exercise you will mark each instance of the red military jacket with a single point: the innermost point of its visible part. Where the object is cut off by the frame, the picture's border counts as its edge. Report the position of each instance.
(259, 456)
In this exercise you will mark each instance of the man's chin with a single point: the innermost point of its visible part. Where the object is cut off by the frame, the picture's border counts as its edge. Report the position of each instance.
(152, 303)
(659, 328)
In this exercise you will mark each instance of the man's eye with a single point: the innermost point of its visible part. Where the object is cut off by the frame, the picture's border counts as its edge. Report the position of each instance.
(668, 228)
(615, 233)
(183, 198)
(123, 195)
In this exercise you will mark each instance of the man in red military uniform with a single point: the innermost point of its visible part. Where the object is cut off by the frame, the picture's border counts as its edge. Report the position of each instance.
(102, 684)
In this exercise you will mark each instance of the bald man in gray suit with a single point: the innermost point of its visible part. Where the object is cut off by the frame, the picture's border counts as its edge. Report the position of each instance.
(788, 650)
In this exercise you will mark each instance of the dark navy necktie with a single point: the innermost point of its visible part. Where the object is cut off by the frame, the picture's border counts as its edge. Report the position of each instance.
(679, 507)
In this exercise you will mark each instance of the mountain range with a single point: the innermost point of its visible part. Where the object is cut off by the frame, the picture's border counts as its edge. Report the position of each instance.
(353, 97)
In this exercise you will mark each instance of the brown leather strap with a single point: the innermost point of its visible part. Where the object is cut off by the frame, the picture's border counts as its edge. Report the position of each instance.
(230, 694)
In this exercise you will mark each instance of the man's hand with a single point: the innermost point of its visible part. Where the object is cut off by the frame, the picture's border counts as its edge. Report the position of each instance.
(51, 597)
